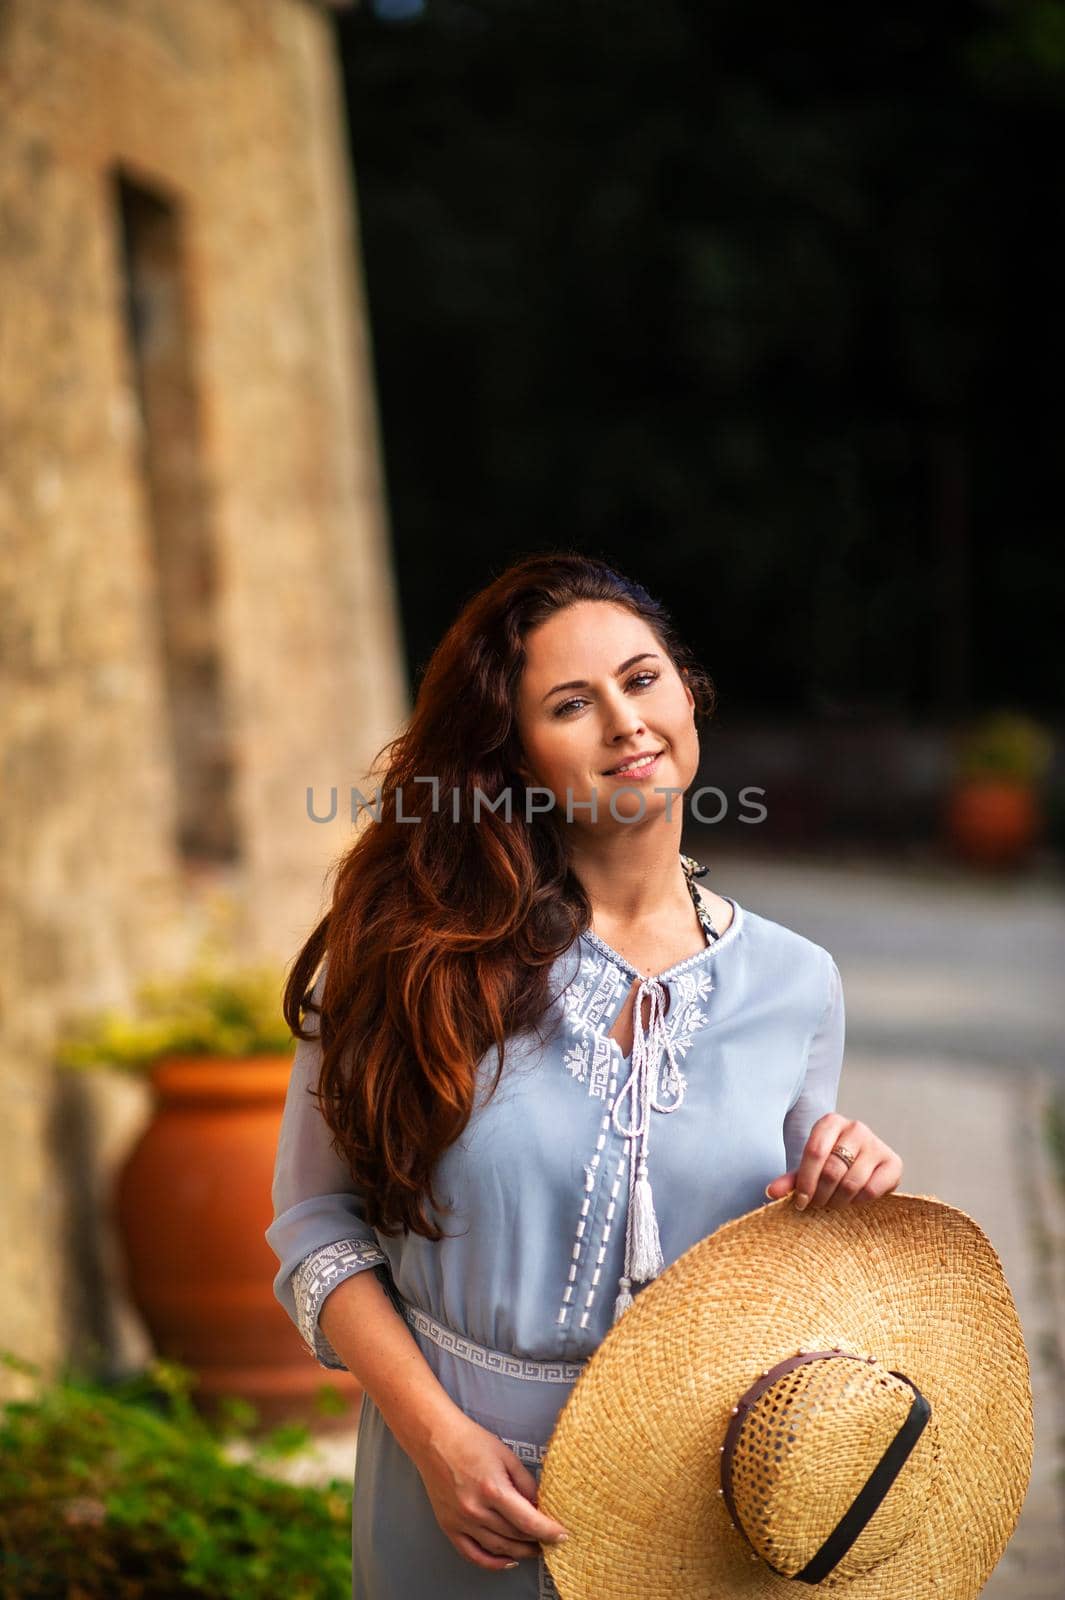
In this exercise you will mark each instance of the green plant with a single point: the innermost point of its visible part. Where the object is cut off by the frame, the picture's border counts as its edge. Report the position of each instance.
(202, 1012)
(1005, 744)
(123, 1492)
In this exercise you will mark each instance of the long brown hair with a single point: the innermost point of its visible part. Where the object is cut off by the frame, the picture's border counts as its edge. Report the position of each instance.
(441, 933)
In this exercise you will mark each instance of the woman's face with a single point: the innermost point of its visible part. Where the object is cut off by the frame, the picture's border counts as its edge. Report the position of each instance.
(598, 689)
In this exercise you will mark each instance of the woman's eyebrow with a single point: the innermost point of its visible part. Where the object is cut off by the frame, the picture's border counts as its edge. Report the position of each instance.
(582, 683)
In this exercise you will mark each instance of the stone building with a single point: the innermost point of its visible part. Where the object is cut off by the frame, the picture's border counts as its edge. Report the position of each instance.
(197, 611)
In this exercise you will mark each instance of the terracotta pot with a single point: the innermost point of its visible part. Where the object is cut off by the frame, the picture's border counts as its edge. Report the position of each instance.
(993, 821)
(192, 1207)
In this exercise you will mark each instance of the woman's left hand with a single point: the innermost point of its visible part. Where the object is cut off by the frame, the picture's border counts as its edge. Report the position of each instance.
(824, 1179)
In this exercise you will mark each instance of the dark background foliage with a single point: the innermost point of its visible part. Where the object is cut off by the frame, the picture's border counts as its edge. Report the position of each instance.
(761, 302)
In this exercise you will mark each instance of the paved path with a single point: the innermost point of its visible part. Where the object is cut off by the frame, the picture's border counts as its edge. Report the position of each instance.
(968, 1135)
(953, 985)
(955, 1035)
(932, 960)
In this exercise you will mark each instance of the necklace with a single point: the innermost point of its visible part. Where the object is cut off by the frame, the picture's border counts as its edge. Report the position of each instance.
(693, 870)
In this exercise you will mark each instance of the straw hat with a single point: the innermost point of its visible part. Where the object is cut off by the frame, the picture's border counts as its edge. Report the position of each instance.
(840, 1397)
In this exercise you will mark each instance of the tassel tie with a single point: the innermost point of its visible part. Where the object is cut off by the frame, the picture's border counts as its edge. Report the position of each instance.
(643, 1250)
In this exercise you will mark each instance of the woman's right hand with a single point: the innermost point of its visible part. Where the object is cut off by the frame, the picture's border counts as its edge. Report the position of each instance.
(482, 1496)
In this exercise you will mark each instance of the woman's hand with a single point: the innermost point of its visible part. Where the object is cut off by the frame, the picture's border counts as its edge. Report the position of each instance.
(824, 1179)
(482, 1496)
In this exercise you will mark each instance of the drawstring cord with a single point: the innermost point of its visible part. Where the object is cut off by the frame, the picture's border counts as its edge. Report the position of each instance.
(643, 1250)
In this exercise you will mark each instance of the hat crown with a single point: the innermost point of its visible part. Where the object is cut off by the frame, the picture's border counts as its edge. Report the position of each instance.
(805, 1445)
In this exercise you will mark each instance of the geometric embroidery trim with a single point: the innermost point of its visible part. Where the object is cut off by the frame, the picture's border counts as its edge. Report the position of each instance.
(317, 1274)
(548, 1589)
(500, 1362)
(532, 1457)
(587, 1003)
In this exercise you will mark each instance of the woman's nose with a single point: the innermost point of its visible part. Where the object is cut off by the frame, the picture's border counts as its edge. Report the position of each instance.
(623, 721)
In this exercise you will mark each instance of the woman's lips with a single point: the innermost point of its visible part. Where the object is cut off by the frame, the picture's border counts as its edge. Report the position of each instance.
(646, 769)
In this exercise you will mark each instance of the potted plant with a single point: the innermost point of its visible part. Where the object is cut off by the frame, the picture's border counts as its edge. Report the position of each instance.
(994, 811)
(193, 1197)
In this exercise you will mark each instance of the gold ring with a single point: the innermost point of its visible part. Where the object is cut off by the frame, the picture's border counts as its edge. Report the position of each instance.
(844, 1154)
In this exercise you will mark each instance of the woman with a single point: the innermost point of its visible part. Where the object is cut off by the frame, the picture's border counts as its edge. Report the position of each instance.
(547, 1062)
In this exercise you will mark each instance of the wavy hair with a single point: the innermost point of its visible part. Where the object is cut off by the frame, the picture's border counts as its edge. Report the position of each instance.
(441, 934)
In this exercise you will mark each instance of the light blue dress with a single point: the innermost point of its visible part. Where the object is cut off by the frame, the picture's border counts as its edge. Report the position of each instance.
(740, 1056)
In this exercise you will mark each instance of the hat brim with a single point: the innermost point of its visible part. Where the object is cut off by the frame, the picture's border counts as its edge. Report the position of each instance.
(632, 1467)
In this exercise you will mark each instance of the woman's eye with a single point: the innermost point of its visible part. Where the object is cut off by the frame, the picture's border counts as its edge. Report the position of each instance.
(564, 708)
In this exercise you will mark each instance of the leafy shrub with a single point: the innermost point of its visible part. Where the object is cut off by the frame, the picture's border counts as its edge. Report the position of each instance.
(124, 1492)
(1005, 744)
(202, 1012)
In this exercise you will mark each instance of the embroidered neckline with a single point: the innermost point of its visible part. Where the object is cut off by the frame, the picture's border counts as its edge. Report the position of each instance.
(596, 1055)
(680, 966)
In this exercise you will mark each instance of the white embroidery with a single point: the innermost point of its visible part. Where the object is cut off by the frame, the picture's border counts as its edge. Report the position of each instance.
(316, 1275)
(489, 1360)
(530, 1455)
(593, 1058)
(684, 1019)
(590, 1170)
(587, 1003)
(604, 1238)
(576, 1061)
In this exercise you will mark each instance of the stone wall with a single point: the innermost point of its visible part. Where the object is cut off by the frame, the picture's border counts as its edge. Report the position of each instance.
(230, 111)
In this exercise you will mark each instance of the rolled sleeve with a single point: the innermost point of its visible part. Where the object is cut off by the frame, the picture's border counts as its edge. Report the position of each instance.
(824, 1062)
(319, 1233)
